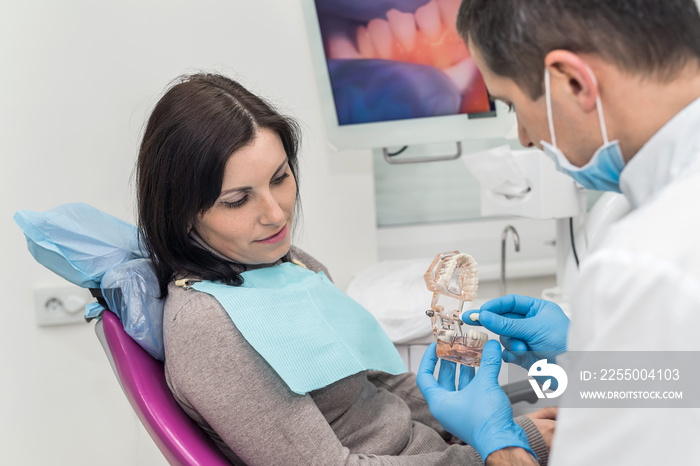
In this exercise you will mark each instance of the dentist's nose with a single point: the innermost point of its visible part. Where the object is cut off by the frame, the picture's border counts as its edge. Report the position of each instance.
(525, 140)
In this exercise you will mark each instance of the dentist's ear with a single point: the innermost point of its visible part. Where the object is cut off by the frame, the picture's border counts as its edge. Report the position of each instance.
(578, 82)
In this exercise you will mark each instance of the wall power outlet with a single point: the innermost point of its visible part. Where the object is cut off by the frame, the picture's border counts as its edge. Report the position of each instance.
(61, 305)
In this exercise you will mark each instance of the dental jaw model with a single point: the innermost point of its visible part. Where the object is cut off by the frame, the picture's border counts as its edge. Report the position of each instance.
(452, 279)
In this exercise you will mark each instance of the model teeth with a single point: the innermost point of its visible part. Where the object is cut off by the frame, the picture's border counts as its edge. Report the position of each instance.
(476, 337)
(468, 266)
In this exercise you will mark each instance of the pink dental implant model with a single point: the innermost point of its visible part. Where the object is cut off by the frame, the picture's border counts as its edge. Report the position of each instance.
(452, 279)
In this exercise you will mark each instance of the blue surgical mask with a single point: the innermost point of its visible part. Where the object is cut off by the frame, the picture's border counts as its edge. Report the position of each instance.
(602, 172)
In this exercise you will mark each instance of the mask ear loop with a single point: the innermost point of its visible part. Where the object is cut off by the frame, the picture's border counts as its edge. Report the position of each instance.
(599, 104)
(548, 100)
(604, 130)
(550, 119)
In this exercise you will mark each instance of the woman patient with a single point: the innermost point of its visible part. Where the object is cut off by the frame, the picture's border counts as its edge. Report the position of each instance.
(217, 197)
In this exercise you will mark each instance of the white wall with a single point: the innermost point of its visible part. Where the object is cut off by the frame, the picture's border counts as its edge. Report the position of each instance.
(78, 79)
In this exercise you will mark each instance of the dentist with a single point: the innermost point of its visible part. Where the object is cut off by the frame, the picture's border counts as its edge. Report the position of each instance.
(611, 91)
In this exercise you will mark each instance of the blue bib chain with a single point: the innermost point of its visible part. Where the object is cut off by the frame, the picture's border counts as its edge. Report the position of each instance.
(325, 335)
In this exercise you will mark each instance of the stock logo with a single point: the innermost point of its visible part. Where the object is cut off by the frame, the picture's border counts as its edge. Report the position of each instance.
(544, 369)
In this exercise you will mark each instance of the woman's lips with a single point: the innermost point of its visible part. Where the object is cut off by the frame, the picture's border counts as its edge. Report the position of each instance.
(276, 238)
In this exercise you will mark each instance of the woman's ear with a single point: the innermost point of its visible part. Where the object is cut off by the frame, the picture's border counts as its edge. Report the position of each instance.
(573, 78)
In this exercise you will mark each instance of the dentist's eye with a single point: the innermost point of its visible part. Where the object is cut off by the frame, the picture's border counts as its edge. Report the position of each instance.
(511, 108)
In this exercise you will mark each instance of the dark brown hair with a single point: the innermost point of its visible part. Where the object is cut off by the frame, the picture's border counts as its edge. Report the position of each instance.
(193, 130)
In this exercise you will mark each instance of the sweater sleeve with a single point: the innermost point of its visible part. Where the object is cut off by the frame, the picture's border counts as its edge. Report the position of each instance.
(404, 386)
(216, 375)
(535, 438)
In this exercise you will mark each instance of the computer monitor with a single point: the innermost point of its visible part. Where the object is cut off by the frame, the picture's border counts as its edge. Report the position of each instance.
(393, 73)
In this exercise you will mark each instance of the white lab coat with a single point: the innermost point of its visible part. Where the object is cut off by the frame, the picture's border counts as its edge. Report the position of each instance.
(640, 290)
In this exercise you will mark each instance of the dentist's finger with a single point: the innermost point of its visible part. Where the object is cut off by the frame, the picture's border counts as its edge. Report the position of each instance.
(424, 378)
(466, 374)
(510, 357)
(467, 317)
(521, 329)
(512, 303)
(490, 362)
(515, 346)
(447, 374)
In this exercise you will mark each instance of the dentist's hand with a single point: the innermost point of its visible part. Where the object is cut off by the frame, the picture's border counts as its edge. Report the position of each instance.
(479, 413)
(531, 329)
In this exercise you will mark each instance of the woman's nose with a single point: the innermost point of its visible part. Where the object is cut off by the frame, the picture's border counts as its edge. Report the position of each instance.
(271, 212)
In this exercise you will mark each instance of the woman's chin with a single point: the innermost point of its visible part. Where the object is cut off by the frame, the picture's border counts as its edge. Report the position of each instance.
(283, 251)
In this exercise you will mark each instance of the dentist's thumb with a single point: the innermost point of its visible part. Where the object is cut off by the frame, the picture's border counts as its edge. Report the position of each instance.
(490, 362)
(504, 326)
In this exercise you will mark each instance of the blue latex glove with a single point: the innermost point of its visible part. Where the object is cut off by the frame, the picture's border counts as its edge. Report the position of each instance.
(530, 329)
(479, 412)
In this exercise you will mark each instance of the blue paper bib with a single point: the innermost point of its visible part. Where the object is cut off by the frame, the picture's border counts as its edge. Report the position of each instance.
(326, 335)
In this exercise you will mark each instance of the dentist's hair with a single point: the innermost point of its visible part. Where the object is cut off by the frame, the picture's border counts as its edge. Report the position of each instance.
(652, 38)
(193, 130)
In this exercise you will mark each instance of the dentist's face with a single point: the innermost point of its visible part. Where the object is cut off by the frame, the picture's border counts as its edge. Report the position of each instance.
(530, 115)
(251, 220)
(578, 134)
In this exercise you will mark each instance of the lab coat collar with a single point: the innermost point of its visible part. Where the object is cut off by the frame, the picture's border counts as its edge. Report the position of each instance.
(671, 154)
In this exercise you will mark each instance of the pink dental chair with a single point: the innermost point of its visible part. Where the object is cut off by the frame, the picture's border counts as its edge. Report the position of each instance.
(142, 378)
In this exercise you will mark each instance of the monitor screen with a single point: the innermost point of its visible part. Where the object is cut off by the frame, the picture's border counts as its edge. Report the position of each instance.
(395, 73)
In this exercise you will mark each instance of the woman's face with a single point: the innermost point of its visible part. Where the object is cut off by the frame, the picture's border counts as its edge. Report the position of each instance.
(251, 220)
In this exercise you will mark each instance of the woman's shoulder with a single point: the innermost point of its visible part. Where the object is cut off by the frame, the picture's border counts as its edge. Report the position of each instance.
(190, 316)
(308, 260)
(190, 310)
(183, 297)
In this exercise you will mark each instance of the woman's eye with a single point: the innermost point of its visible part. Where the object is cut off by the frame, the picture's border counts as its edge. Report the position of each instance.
(280, 178)
(235, 204)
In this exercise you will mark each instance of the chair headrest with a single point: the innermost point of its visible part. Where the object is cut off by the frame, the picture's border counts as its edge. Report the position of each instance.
(93, 249)
(79, 242)
(131, 290)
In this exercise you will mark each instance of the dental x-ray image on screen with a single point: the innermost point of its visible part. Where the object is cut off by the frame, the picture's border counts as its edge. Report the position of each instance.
(398, 59)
